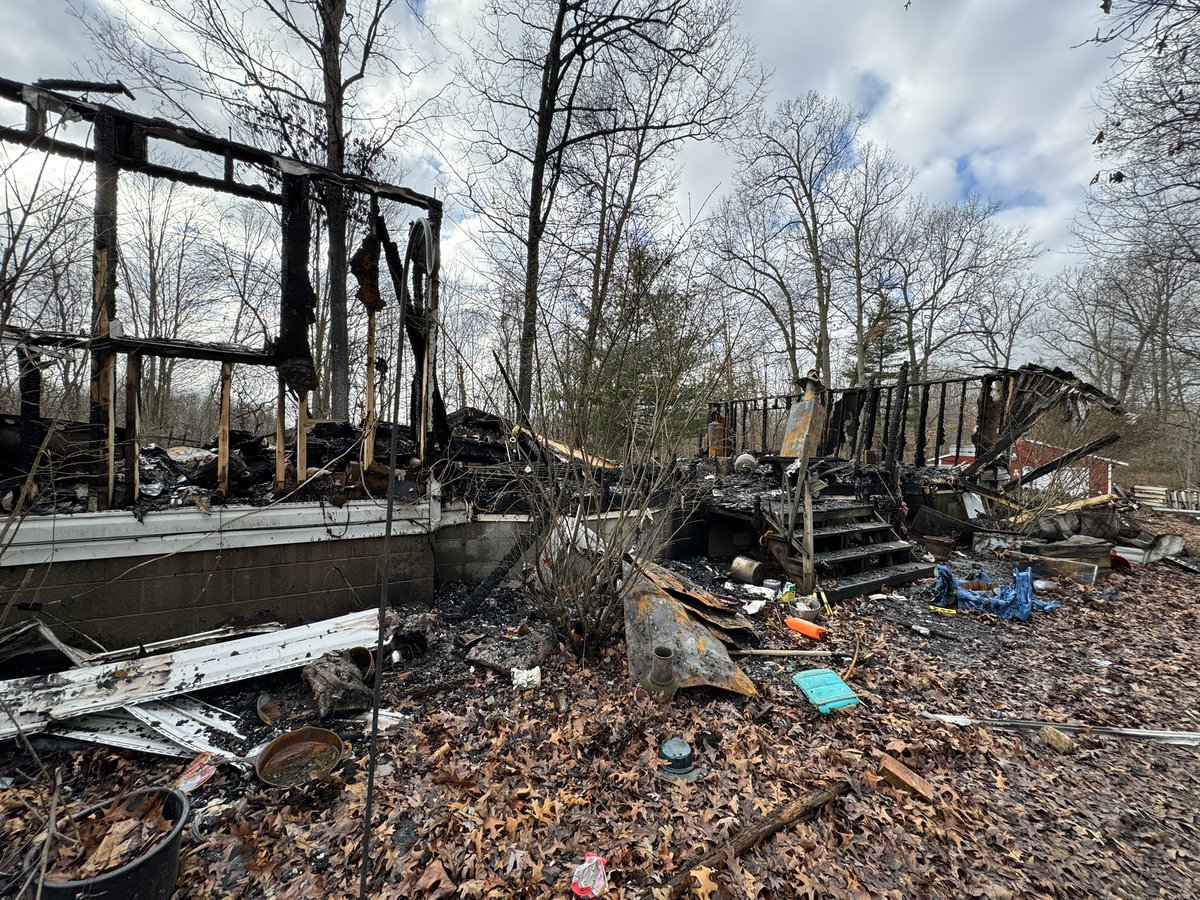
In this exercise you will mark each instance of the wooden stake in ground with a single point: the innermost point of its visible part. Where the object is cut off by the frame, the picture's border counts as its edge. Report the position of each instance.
(784, 817)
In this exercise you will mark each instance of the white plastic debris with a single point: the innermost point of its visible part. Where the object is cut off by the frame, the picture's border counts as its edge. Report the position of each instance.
(763, 592)
(525, 679)
(590, 879)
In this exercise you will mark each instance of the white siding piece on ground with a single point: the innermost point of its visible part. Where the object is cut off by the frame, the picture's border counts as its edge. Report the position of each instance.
(31, 704)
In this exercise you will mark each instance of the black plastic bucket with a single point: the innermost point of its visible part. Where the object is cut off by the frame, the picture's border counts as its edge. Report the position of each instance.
(151, 876)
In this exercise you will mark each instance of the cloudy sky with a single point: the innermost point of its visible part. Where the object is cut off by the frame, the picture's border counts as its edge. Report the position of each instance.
(974, 94)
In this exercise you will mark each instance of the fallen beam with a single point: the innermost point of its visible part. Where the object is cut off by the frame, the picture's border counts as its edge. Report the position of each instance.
(750, 835)
(29, 705)
(1074, 506)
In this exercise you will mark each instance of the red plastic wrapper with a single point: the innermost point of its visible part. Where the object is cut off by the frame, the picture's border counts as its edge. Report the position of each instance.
(590, 879)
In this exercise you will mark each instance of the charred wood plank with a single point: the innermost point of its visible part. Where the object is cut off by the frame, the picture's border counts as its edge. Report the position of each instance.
(299, 300)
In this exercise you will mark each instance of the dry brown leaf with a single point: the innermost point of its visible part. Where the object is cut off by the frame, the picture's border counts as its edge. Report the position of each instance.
(434, 883)
(705, 886)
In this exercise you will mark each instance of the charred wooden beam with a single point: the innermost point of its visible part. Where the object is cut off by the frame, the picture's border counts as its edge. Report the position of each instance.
(302, 437)
(872, 415)
(940, 435)
(299, 300)
(895, 422)
(80, 84)
(434, 423)
(223, 430)
(38, 141)
(922, 424)
(962, 411)
(41, 97)
(29, 367)
(104, 302)
(419, 321)
(133, 422)
(280, 436)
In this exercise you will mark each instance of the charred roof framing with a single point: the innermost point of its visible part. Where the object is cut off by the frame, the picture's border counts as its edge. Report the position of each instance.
(120, 141)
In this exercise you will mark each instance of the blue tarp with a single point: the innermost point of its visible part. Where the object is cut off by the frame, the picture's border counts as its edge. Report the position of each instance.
(1016, 602)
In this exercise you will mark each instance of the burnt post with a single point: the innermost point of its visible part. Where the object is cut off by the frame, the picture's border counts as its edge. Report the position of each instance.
(133, 423)
(223, 431)
(940, 436)
(874, 391)
(430, 426)
(922, 425)
(104, 304)
(298, 299)
(895, 422)
(280, 436)
(29, 367)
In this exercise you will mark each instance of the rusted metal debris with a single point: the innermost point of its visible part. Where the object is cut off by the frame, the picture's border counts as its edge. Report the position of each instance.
(654, 618)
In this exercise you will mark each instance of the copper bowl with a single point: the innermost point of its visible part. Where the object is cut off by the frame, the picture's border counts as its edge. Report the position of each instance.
(299, 756)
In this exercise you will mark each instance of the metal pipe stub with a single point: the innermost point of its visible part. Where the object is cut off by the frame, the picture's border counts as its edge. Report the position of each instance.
(680, 765)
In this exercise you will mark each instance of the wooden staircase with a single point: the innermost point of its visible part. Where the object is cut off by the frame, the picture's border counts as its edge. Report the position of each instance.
(854, 552)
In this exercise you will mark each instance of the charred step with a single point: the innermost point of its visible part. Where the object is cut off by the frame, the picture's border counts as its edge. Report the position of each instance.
(863, 551)
(876, 579)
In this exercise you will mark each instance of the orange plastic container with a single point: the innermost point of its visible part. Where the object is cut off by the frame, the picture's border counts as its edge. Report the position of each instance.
(808, 629)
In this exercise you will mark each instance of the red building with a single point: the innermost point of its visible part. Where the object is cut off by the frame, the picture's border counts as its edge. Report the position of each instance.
(1089, 476)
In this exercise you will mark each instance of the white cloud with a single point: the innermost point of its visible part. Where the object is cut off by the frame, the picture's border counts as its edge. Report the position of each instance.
(999, 84)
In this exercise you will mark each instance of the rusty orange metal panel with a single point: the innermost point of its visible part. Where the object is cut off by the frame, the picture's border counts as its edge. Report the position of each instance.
(805, 423)
(653, 618)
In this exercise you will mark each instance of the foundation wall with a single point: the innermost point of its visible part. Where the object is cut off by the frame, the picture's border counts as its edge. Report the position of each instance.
(122, 582)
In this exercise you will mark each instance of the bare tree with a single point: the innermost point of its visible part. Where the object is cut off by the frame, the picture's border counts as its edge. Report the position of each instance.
(552, 76)
(793, 160)
(756, 256)
(37, 227)
(871, 192)
(1149, 136)
(1002, 319)
(941, 258)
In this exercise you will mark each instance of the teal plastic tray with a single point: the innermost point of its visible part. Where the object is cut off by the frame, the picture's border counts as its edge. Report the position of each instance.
(825, 690)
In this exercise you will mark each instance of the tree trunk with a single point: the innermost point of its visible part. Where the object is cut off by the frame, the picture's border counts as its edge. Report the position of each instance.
(537, 215)
(333, 13)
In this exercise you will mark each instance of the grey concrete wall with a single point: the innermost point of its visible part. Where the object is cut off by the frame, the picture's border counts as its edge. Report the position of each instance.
(119, 605)
(469, 552)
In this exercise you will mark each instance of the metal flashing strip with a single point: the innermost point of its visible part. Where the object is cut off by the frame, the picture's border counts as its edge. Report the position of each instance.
(118, 729)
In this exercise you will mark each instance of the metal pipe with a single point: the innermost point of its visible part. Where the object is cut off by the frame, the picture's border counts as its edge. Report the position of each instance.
(745, 570)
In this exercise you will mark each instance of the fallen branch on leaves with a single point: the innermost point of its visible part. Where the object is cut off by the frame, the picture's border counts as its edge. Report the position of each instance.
(782, 818)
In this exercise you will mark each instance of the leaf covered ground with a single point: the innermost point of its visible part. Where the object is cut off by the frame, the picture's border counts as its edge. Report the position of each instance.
(488, 792)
